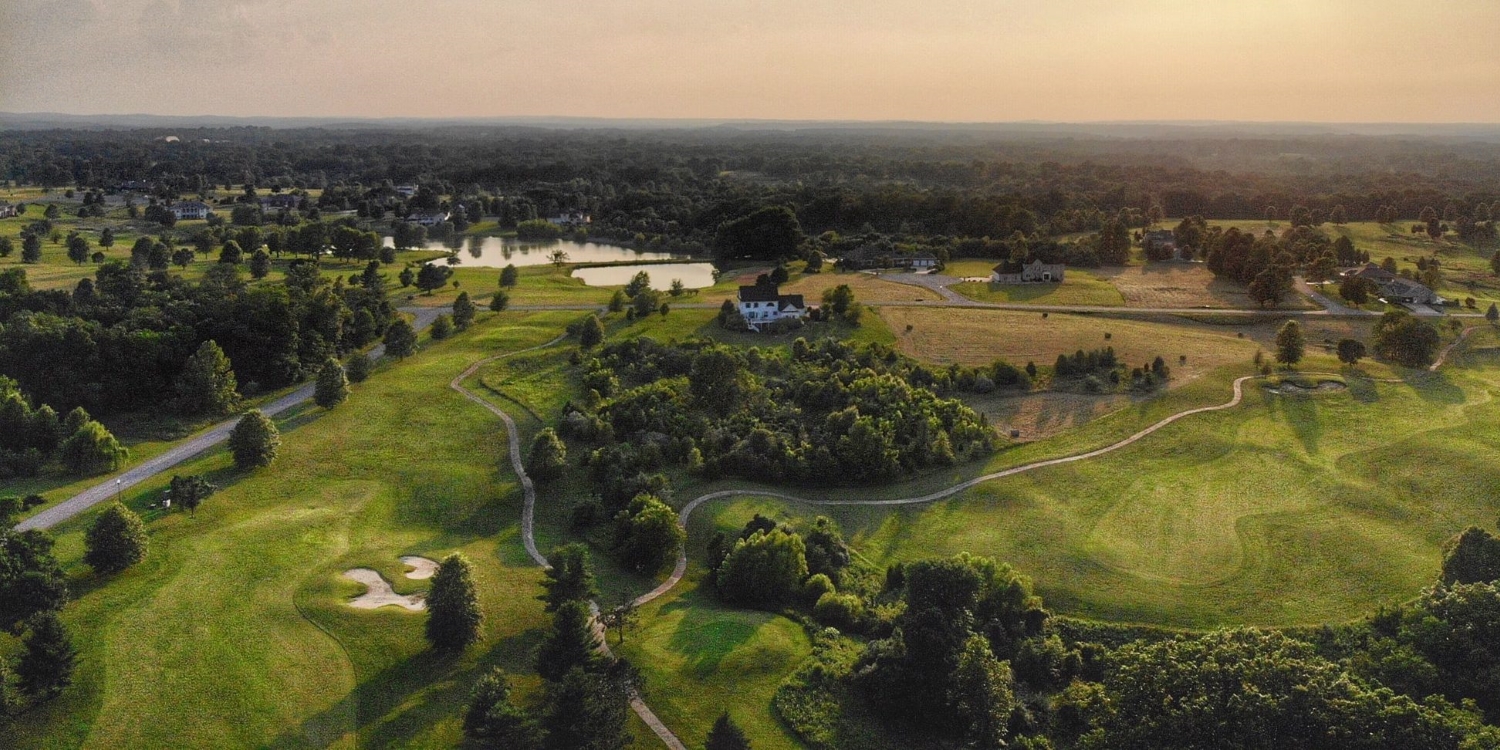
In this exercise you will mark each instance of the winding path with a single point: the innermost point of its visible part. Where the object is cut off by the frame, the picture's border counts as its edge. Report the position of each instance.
(1443, 357)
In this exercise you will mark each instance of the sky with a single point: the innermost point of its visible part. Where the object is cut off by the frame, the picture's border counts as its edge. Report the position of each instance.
(929, 60)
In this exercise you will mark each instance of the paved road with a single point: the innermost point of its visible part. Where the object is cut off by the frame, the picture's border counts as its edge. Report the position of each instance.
(187, 449)
(1331, 305)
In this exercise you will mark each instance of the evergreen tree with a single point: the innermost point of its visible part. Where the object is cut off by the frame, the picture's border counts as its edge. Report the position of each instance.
(400, 339)
(499, 301)
(509, 275)
(617, 301)
(571, 643)
(570, 577)
(332, 387)
(463, 311)
(453, 614)
(592, 332)
(46, 664)
(207, 383)
(254, 441)
(549, 456)
(359, 367)
(442, 327)
(495, 720)
(588, 709)
(1289, 343)
(116, 540)
(726, 735)
(260, 264)
(231, 253)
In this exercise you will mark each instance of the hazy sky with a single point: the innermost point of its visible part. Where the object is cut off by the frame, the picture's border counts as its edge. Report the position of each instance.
(940, 60)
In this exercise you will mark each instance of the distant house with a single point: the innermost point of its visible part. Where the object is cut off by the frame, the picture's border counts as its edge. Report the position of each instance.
(570, 219)
(863, 258)
(191, 210)
(1035, 272)
(1395, 289)
(764, 303)
(428, 218)
(280, 202)
(134, 186)
(1160, 243)
(406, 191)
(7, 209)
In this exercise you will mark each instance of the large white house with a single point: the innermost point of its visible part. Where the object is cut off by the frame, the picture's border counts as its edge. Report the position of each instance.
(428, 218)
(764, 303)
(191, 210)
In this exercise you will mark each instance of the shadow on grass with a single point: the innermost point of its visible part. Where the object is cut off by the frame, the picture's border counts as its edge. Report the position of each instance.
(707, 633)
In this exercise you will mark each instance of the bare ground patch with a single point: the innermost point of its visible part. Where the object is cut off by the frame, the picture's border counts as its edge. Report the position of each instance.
(1183, 285)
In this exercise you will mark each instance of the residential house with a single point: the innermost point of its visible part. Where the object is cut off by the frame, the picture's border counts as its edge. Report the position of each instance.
(570, 219)
(1160, 243)
(1035, 272)
(280, 202)
(191, 210)
(406, 191)
(428, 218)
(764, 303)
(1395, 289)
(872, 257)
(7, 209)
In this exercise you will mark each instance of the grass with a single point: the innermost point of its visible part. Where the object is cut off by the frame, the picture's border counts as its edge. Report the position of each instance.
(1080, 287)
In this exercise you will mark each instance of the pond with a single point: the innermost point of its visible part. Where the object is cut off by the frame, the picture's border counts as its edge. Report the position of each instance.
(499, 252)
(693, 275)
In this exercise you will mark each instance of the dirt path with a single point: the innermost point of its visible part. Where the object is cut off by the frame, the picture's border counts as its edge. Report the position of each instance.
(1443, 357)
(113, 486)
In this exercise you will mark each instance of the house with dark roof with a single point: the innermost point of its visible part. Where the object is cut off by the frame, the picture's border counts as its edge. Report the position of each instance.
(867, 257)
(280, 202)
(1395, 289)
(1035, 272)
(763, 303)
(191, 210)
(7, 209)
(428, 218)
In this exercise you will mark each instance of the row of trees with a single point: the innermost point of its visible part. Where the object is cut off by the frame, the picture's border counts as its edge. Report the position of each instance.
(31, 438)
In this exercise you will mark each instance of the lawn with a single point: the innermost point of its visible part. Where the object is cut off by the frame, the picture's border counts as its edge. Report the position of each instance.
(1080, 287)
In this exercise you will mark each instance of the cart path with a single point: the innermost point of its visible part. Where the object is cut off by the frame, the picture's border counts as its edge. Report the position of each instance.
(1443, 357)
(112, 486)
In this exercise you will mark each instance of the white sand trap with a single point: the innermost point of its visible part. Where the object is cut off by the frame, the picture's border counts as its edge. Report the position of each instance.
(380, 594)
(421, 567)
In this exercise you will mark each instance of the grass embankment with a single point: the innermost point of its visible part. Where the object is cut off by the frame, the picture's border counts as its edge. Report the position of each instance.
(234, 632)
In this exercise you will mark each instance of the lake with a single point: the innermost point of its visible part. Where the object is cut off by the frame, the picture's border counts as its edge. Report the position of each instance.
(693, 275)
(499, 252)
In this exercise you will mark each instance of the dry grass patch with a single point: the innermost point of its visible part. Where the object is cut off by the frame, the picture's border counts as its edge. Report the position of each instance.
(867, 288)
(1174, 285)
(1044, 414)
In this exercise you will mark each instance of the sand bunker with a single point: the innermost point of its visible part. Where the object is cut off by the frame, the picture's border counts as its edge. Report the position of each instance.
(421, 567)
(379, 592)
(1290, 386)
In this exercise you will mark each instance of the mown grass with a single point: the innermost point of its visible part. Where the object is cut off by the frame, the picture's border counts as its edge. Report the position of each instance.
(1080, 287)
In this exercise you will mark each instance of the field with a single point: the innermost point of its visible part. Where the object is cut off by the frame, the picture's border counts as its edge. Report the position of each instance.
(1081, 287)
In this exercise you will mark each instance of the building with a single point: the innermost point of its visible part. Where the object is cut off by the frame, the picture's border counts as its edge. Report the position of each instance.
(406, 191)
(1035, 272)
(570, 219)
(280, 202)
(868, 257)
(1160, 243)
(7, 209)
(191, 210)
(428, 218)
(764, 303)
(1395, 289)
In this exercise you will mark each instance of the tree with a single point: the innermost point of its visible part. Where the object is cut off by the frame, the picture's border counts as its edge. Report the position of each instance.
(332, 387)
(678, 288)
(1351, 351)
(407, 277)
(91, 449)
(442, 327)
(432, 276)
(190, 491)
(495, 720)
(46, 664)
(726, 735)
(400, 339)
(7, 246)
(31, 248)
(1356, 289)
(617, 300)
(78, 248)
(499, 301)
(231, 253)
(588, 709)
(358, 368)
(569, 577)
(645, 303)
(549, 456)
(1471, 557)
(453, 614)
(1289, 344)
(207, 384)
(767, 233)
(591, 334)
(182, 257)
(647, 535)
(463, 311)
(1402, 338)
(509, 275)
(260, 264)
(981, 691)
(620, 617)
(763, 569)
(559, 257)
(107, 237)
(1492, 314)
(116, 540)
(570, 643)
(254, 441)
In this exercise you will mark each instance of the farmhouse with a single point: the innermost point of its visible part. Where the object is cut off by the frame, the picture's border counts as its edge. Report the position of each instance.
(191, 210)
(873, 257)
(7, 209)
(764, 303)
(1035, 272)
(428, 218)
(1395, 289)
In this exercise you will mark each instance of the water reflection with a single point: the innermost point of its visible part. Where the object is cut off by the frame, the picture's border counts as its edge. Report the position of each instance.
(498, 252)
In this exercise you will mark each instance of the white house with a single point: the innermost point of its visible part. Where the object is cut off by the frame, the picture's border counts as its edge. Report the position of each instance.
(7, 209)
(406, 191)
(191, 210)
(570, 219)
(428, 218)
(763, 303)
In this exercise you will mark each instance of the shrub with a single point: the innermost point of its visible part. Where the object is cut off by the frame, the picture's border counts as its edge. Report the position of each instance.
(116, 540)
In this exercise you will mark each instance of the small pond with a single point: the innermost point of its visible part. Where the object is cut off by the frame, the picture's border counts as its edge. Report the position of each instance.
(499, 252)
(693, 275)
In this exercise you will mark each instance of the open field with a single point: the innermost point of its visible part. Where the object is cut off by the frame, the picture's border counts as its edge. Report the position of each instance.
(1081, 287)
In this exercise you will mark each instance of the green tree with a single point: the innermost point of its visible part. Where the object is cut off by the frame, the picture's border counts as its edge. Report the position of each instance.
(400, 339)
(494, 720)
(569, 577)
(190, 491)
(763, 569)
(645, 303)
(726, 735)
(260, 264)
(407, 277)
(207, 384)
(1356, 289)
(182, 257)
(1402, 338)
(717, 380)
(499, 301)
(1471, 557)
(647, 536)
(839, 299)
(78, 248)
(453, 614)
(31, 248)
(678, 288)
(592, 332)
(509, 275)
(1350, 351)
(982, 694)
(442, 327)
(463, 311)
(617, 301)
(1492, 314)
(332, 387)
(254, 441)
(570, 643)
(358, 368)
(46, 663)
(116, 540)
(92, 449)
(549, 456)
(433, 276)
(1289, 343)
(587, 710)
(231, 253)
(7, 246)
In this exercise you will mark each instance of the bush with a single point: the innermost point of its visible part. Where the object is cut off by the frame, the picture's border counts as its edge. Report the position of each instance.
(842, 611)
(549, 456)
(255, 441)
